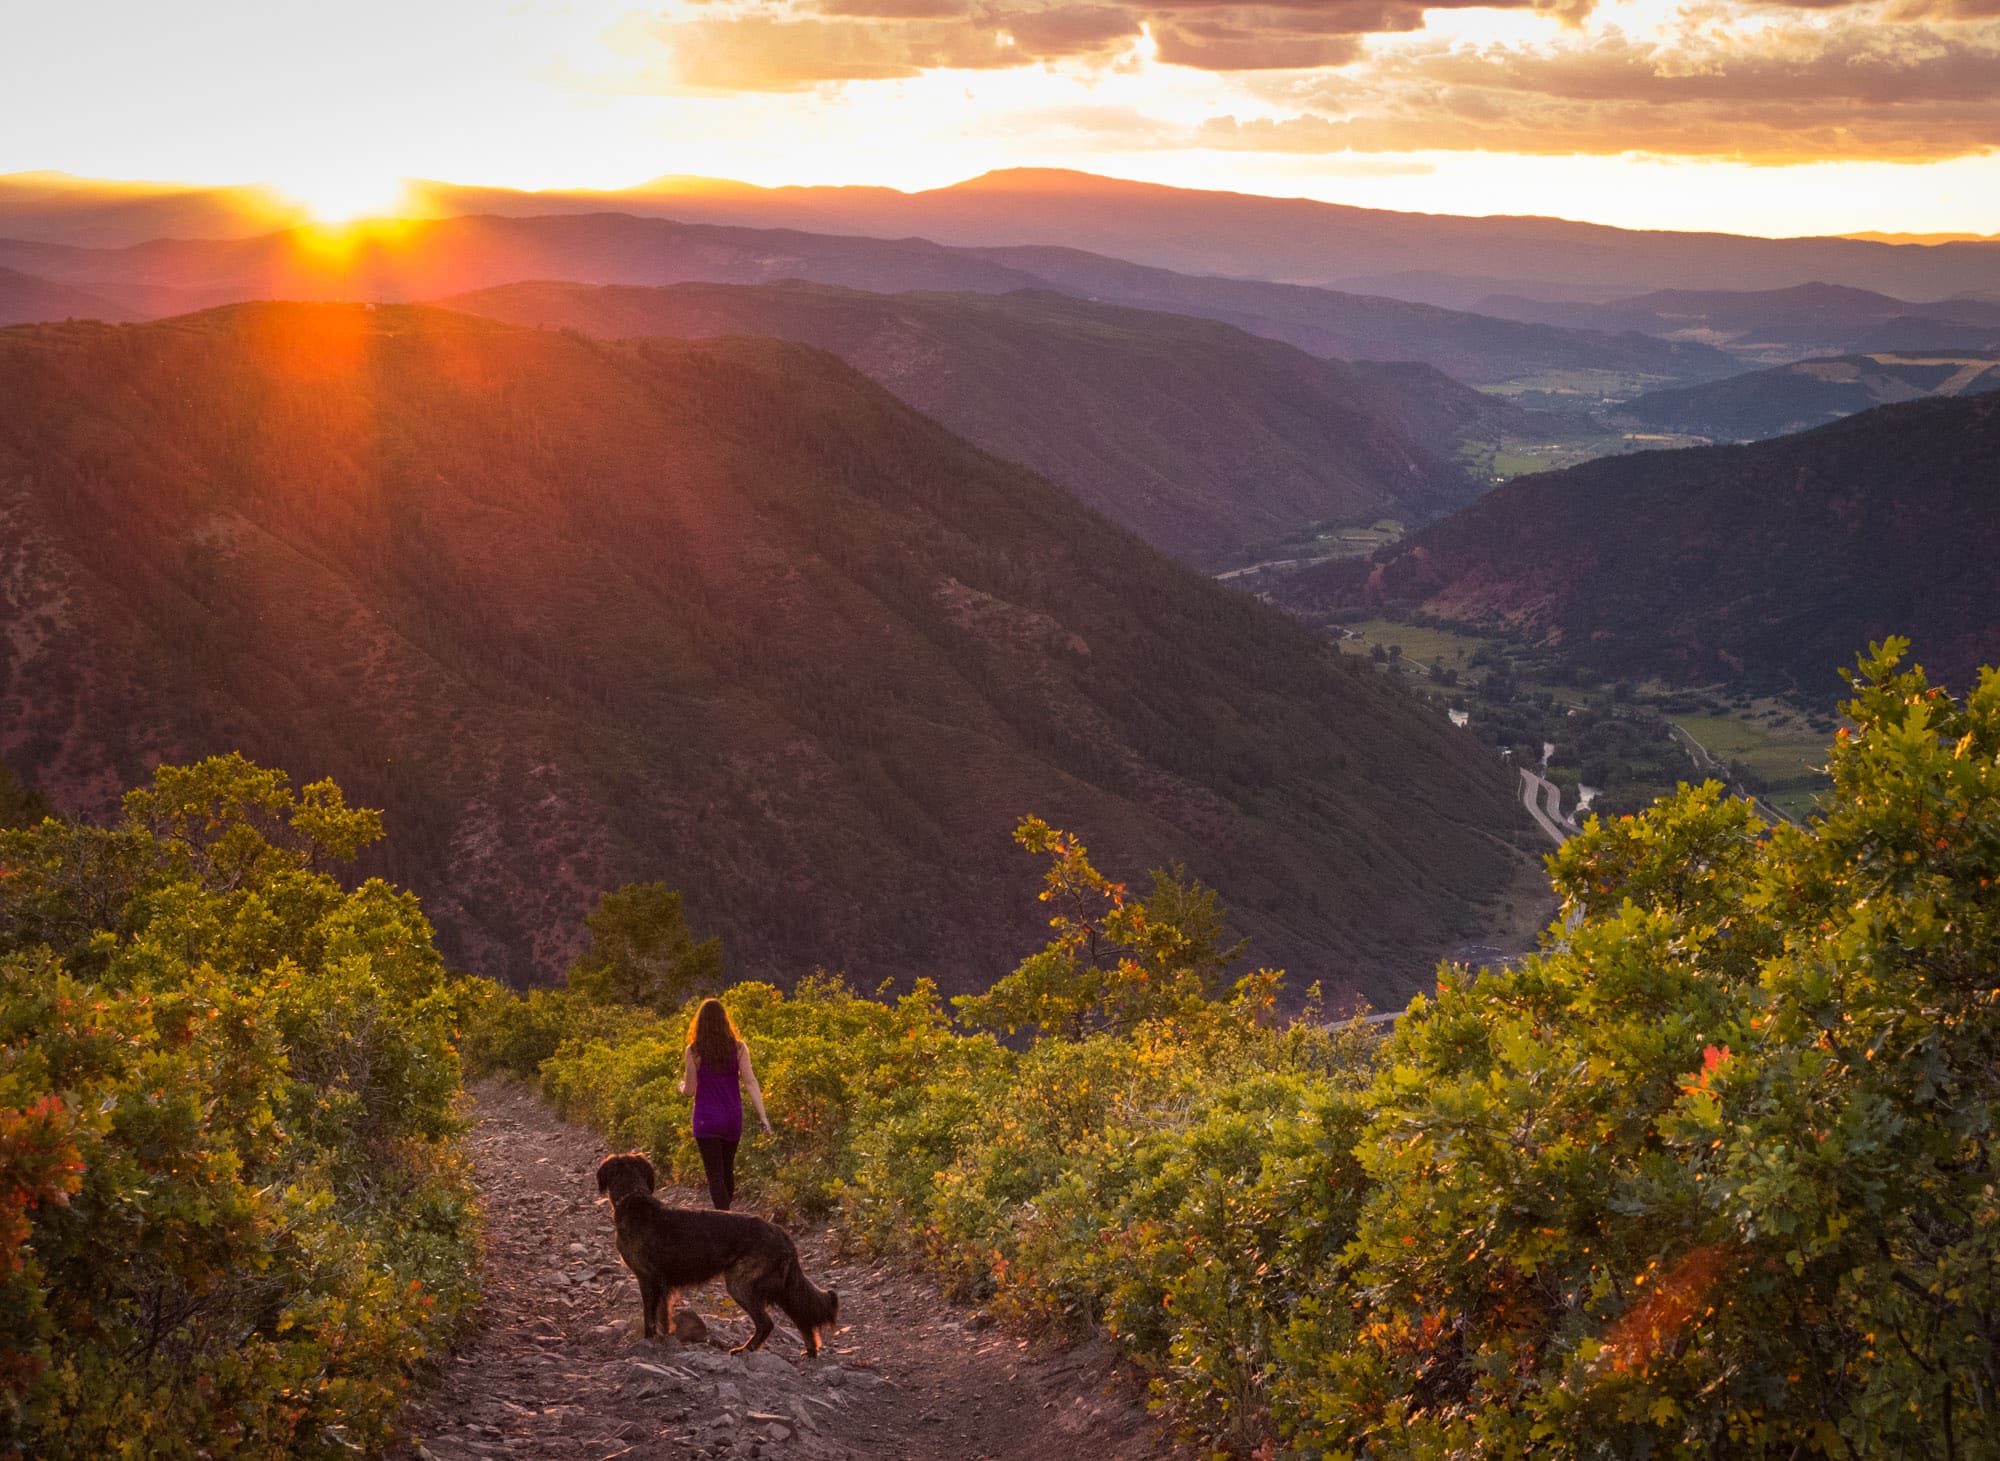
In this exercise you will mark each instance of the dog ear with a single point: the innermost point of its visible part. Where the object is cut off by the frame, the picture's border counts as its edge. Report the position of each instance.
(604, 1175)
(647, 1167)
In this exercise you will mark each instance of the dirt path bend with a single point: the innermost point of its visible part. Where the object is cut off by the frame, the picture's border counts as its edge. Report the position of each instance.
(557, 1366)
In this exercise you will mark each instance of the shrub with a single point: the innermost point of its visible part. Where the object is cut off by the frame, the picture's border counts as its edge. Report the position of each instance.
(1712, 1173)
(232, 1218)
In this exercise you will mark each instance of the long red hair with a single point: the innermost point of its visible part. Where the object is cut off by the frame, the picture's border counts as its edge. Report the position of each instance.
(712, 1035)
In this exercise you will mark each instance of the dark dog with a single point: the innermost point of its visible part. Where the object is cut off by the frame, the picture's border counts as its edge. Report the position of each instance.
(671, 1248)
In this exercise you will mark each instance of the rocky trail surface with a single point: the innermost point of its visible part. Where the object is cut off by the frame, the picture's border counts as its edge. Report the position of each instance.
(557, 1366)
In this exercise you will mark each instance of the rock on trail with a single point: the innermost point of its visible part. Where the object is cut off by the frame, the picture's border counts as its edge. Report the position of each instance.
(557, 1367)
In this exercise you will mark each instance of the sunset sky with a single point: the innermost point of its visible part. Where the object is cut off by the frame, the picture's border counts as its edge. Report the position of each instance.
(1776, 118)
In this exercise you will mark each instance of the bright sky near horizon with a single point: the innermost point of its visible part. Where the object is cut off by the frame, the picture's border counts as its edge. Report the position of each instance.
(1789, 117)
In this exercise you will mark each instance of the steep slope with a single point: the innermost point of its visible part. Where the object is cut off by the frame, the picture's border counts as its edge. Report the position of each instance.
(1810, 393)
(427, 260)
(1773, 563)
(1198, 437)
(724, 613)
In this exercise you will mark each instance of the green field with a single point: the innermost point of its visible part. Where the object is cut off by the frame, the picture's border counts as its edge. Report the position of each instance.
(1566, 390)
(1351, 540)
(1517, 456)
(1775, 744)
(1419, 644)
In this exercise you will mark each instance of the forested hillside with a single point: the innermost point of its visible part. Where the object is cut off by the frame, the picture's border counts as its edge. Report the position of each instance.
(1753, 562)
(1202, 439)
(725, 615)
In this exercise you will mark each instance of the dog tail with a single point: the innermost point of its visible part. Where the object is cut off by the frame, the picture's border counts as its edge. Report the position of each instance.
(814, 1310)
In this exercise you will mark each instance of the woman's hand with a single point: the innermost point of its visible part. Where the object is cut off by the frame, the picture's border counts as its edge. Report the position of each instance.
(767, 1124)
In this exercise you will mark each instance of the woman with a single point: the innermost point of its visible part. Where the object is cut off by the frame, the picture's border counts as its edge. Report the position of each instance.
(716, 1070)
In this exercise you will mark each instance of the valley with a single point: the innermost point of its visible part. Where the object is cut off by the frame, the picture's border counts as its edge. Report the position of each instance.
(1610, 748)
(722, 613)
(1335, 831)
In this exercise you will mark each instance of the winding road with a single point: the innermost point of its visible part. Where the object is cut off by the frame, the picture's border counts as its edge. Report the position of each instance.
(1536, 790)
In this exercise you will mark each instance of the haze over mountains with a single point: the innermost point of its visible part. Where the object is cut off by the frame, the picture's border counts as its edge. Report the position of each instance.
(726, 614)
(1203, 440)
(1771, 564)
(1809, 393)
(1779, 324)
(25, 299)
(1292, 239)
(429, 259)
(1413, 255)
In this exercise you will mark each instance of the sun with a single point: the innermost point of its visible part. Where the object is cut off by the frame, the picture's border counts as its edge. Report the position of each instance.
(336, 196)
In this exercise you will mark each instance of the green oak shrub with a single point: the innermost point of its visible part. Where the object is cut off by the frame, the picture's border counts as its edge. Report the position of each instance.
(233, 1217)
(1710, 1174)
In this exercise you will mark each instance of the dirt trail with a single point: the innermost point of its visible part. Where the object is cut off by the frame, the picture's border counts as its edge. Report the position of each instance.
(557, 1366)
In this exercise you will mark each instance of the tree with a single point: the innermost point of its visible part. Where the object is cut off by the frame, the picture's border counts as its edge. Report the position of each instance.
(641, 952)
(20, 806)
(1714, 1173)
(1115, 960)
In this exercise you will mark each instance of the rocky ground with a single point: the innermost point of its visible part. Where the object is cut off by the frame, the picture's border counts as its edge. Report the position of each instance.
(557, 1366)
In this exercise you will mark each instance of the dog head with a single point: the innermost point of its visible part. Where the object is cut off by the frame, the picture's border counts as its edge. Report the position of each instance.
(623, 1175)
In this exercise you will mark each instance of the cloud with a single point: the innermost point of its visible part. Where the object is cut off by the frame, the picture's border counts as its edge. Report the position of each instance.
(782, 45)
(1851, 87)
(1768, 81)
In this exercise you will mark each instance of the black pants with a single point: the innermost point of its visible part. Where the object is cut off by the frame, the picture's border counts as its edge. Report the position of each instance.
(718, 1159)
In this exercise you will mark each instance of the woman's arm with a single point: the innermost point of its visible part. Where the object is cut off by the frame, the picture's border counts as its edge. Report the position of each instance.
(687, 1073)
(749, 1074)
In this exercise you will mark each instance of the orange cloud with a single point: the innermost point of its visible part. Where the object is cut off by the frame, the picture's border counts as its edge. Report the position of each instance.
(786, 45)
(1852, 88)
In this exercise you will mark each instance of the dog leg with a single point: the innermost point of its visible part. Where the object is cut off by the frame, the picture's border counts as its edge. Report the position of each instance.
(743, 1289)
(649, 1297)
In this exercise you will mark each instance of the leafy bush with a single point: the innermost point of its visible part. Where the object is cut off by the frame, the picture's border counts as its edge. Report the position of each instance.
(1058, 1182)
(232, 1219)
(1713, 1173)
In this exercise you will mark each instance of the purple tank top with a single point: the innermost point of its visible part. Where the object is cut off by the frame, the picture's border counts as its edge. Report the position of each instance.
(718, 1100)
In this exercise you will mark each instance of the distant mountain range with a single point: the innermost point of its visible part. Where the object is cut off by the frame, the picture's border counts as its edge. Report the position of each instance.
(1426, 257)
(1478, 349)
(1810, 393)
(1202, 439)
(1771, 564)
(427, 260)
(1778, 324)
(25, 299)
(724, 613)
(58, 207)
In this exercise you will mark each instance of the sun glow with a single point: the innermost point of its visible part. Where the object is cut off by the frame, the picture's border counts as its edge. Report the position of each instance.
(343, 197)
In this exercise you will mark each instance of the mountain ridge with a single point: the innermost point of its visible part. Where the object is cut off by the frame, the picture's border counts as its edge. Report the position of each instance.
(725, 614)
(1202, 230)
(430, 259)
(1771, 564)
(1203, 439)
